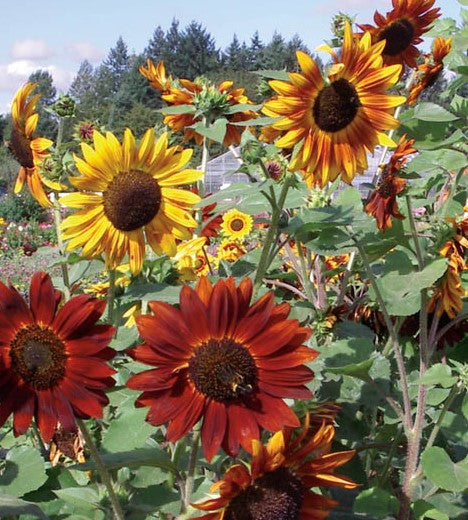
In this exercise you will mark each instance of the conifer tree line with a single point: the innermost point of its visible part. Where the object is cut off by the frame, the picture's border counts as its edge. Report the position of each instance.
(116, 95)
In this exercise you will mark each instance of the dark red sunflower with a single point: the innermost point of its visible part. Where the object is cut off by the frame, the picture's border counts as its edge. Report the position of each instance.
(222, 360)
(278, 484)
(52, 361)
(402, 28)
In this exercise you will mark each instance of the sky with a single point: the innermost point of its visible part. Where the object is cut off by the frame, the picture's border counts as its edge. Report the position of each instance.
(57, 35)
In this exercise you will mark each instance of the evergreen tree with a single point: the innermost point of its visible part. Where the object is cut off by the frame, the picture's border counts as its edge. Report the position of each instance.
(156, 47)
(255, 52)
(196, 53)
(294, 44)
(236, 56)
(274, 54)
(171, 49)
(117, 63)
(47, 125)
(83, 91)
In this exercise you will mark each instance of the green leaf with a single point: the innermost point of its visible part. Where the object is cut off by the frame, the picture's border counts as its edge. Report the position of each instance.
(438, 374)
(401, 292)
(178, 109)
(423, 509)
(10, 505)
(377, 502)
(440, 470)
(282, 75)
(242, 107)
(136, 458)
(359, 370)
(152, 291)
(258, 121)
(216, 131)
(81, 497)
(432, 112)
(24, 471)
(125, 338)
(129, 429)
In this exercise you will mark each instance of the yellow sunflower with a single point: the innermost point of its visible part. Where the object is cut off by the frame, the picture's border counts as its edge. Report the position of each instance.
(29, 151)
(340, 119)
(236, 224)
(127, 191)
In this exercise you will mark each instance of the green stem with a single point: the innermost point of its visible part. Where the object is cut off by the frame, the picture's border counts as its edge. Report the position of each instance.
(59, 132)
(191, 467)
(385, 473)
(306, 283)
(264, 261)
(391, 329)
(61, 248)
(111, 297)
(105, 476)
(453, 187)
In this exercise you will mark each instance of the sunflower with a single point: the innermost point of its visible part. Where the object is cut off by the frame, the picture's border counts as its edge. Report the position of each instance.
(230, 250)
(429, 71)
(156, 75)
(192, 260)
(29, 151)
(52, 361)
(221, 359)
(336, 122)
(450, 291)
(282, 473)
(236, 224)
(128, 191)
(401, 29)
(382, 202)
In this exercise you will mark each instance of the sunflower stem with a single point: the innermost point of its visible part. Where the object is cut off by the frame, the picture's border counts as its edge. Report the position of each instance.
(63, 263)
(264, 261)
(207, 261)
(111, 297)
(102, 470)
(304, 274)
(192, 464)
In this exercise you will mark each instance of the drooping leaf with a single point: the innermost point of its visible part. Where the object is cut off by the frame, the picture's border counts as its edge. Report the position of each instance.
(376, 502)
(24, 471)
(440, 470)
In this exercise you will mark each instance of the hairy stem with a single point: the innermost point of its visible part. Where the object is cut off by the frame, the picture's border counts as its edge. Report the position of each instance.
(192, 464)
(102, 470)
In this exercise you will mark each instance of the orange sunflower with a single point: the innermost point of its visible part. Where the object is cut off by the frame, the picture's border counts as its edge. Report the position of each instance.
(429, 71)
(449, 291)
(401, 29)
(282, 473)
(29, 151)
(383, 203)
(52, 361)
(156, 75)
(336, 122)
(127, 192)
(222, 360)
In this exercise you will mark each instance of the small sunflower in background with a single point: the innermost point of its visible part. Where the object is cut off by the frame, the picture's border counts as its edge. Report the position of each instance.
(30, 152)
(401, 29)
(128, 191)
(236, 225)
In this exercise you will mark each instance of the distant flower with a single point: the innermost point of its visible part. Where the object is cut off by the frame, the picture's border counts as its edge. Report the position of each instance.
(230, 250)
(52, 361)
(236, 225)
(401, 29)
(221, 359)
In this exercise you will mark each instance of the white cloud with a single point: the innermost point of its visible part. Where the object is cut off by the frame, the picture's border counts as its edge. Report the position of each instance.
(31, 50)
(80, 51)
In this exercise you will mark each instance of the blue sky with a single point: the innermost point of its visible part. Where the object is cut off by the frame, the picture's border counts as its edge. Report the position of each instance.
(57, 35)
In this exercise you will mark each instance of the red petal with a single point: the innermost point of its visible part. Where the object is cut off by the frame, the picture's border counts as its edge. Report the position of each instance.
(186, 419)
(244, 295)
(297, 356)
(218, 311)
(77, 316)
(194, 313)
(291, 392)
(241, 429)
(272, 339)
(24, 410)
(275, 414)
(43, 298)
(156, 379)
(46, 416)
(14, 313)
(204, 289)
(214, 426)
(88, 403)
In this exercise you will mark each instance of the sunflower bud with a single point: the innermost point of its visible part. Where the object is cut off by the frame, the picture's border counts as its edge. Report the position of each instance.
(339, 22)
(64, 106)
(317, 198)
(211, 102)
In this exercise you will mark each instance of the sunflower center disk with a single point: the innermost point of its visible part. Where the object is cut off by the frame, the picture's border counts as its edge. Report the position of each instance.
(237, 224)
(385, 186)
(131, 200)
(398, 35)
(336, 106)
(20, 147)
(277, 495)
(223, 370)
(38, 357)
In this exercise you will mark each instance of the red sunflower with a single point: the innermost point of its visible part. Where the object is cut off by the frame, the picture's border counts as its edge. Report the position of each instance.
(221, 359)
(52, 361)
(278, 484)
(402, 28)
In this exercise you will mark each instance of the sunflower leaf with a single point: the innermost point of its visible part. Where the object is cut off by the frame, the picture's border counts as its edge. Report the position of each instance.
(440, 470)
(178, 109)
(215, 131)
(10, 505)
(24, 471)
(433, 112)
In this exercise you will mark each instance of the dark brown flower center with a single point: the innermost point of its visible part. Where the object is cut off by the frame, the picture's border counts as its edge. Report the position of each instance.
(20, 147)
(237, 224)
(223, 370)
(277, 495)
(398, 35)
(38, 356)
(131, 200)
(336, 106)
(385, 185)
